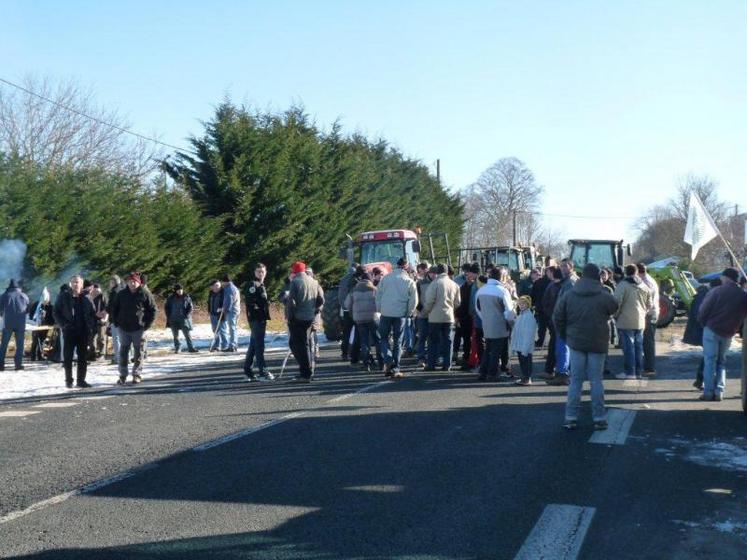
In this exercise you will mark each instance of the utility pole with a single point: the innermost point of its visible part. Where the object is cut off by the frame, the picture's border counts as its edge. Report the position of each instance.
(438, 171)
(514, 220)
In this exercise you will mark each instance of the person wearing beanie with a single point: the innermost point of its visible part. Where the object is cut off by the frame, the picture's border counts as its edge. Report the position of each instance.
(523, 337)
(133, 313)
(302, 304)
(634, 300)
(361, 301)
(581, 318)
(14, 305)
(347, 283)
(231, 310)
(722, 312)
(178, 310)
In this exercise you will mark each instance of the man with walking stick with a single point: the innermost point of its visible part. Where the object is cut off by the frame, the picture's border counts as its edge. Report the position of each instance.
(215, 308)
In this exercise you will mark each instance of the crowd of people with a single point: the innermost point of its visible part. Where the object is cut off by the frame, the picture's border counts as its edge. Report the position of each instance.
(475, 320)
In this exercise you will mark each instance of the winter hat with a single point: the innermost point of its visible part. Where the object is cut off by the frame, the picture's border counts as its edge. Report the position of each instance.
(527, 300)
(134, 276)
(12, 285)
(298, 266)
(731, 274)
(474, 268)
(433, 269)
(178, 287)
(591, 271)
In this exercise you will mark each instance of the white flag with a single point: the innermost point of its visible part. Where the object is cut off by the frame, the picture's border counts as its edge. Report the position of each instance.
(700, 228)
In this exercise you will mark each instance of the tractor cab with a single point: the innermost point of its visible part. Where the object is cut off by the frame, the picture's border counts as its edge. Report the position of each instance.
(384, 248)
(604, 253)
(510, 257)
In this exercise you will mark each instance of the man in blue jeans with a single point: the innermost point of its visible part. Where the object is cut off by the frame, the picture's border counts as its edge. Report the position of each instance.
(582, 318)
(425, 276)
(396, 299)
(257, 314)
(14, 305)
(721, 314)
(634, 301)
(231, 310)
(562, 352)
(442, 298)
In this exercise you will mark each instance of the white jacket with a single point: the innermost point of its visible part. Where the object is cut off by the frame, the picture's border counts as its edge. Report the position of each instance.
(524, 333)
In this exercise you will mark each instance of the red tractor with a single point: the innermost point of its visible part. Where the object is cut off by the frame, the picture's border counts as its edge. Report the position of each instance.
(382, 249)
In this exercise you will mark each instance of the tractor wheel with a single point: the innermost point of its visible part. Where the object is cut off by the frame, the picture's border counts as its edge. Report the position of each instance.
(331, 315)
(667, 311)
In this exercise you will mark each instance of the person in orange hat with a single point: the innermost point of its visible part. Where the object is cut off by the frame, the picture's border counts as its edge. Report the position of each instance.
(305, 299)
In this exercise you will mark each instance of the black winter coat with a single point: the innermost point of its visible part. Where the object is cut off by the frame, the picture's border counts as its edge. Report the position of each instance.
(134, 311)
(64, 312)
(178, 311)
(694, 330)
(215, 302)
(257, 302)
(538, 292)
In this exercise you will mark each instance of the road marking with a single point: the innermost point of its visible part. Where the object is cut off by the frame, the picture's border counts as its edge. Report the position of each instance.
(88, 488)
(97, 397)
(558, 534)
(620, 420)
(636, 383)
(254, 429)
(18, 413)
(65, 404)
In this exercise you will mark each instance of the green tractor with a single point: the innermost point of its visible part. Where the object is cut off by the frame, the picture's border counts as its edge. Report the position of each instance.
(510, 257)
(675, 291)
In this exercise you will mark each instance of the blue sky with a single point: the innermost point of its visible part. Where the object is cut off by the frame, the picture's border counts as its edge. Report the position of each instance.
(607, 102)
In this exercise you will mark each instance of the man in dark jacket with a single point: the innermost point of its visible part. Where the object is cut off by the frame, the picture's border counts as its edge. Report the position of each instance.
(721, 314)
(179, 317)
(580, 317)
(305, 299)
(463, 334)
(14, 306)
(538, 291)
(347, 283)
(257, 314)
(218, 325)
(693, 330)
(115, 286)
(96, 343)
(76, 317)
(549, 299)
(134, 311)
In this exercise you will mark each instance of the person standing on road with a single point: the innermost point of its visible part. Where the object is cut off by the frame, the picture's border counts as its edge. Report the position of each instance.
(75, 314)
(42, 315)
(693, 334)
(257, 314)
(134, 311)
(581, 317)
(652, 317)
(361, 301)
(231, 310)
(217, 323)
(464, 323)
(347, 283)
(178, 310)
(722, 312)
(441, 301)
(115, 286)
(304, 300)
(538, 292)
(523, 337)
(14, 306)
(562, 352)
(98, 338)
(421, 318)
(396, 299)
(495, 307)
(634, 300)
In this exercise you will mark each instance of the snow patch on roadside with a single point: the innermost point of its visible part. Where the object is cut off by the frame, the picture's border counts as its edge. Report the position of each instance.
(726, 455)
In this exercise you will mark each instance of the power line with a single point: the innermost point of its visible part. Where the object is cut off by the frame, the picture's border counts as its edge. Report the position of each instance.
(84, 115)
(577, 216)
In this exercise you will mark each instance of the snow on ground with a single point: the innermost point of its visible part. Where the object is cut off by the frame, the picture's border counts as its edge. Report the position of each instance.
(726, 455)
(40, 378)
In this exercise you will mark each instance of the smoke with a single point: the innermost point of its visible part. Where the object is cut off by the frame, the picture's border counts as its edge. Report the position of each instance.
(12, 255)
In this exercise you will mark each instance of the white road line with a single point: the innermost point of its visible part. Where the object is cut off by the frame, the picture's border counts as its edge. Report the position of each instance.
(63, 404)
(635, 383)
(558, 534)
(254, 429)
(18, 413)
(88, 488)
(620, 420)
(97, 397)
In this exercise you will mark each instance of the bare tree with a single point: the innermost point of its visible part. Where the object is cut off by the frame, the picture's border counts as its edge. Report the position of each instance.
(70, 131)
(506, 188)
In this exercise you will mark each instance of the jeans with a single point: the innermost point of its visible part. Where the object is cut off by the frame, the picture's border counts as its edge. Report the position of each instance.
(187, 337)
(440, 344)
(231, 319)
(132, 339)
(220, 334)
(301, 345)
(493, 350)
(586, 366)
(115, 343)
(256, 350)
(408, 340)
(525, 363)
(463, 338)
(562, 358)
(632, 345)
(19, 334)
(75, 342)
(714, 358)
(422, 325)
(369, 336)
(550, 360)
(396, 326)
(649, 347)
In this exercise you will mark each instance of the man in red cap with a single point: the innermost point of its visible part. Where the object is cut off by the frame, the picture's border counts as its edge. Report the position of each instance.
(305, 299)
(134, 311)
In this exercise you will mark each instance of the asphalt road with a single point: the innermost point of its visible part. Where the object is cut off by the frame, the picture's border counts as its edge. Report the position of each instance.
(204, 465)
